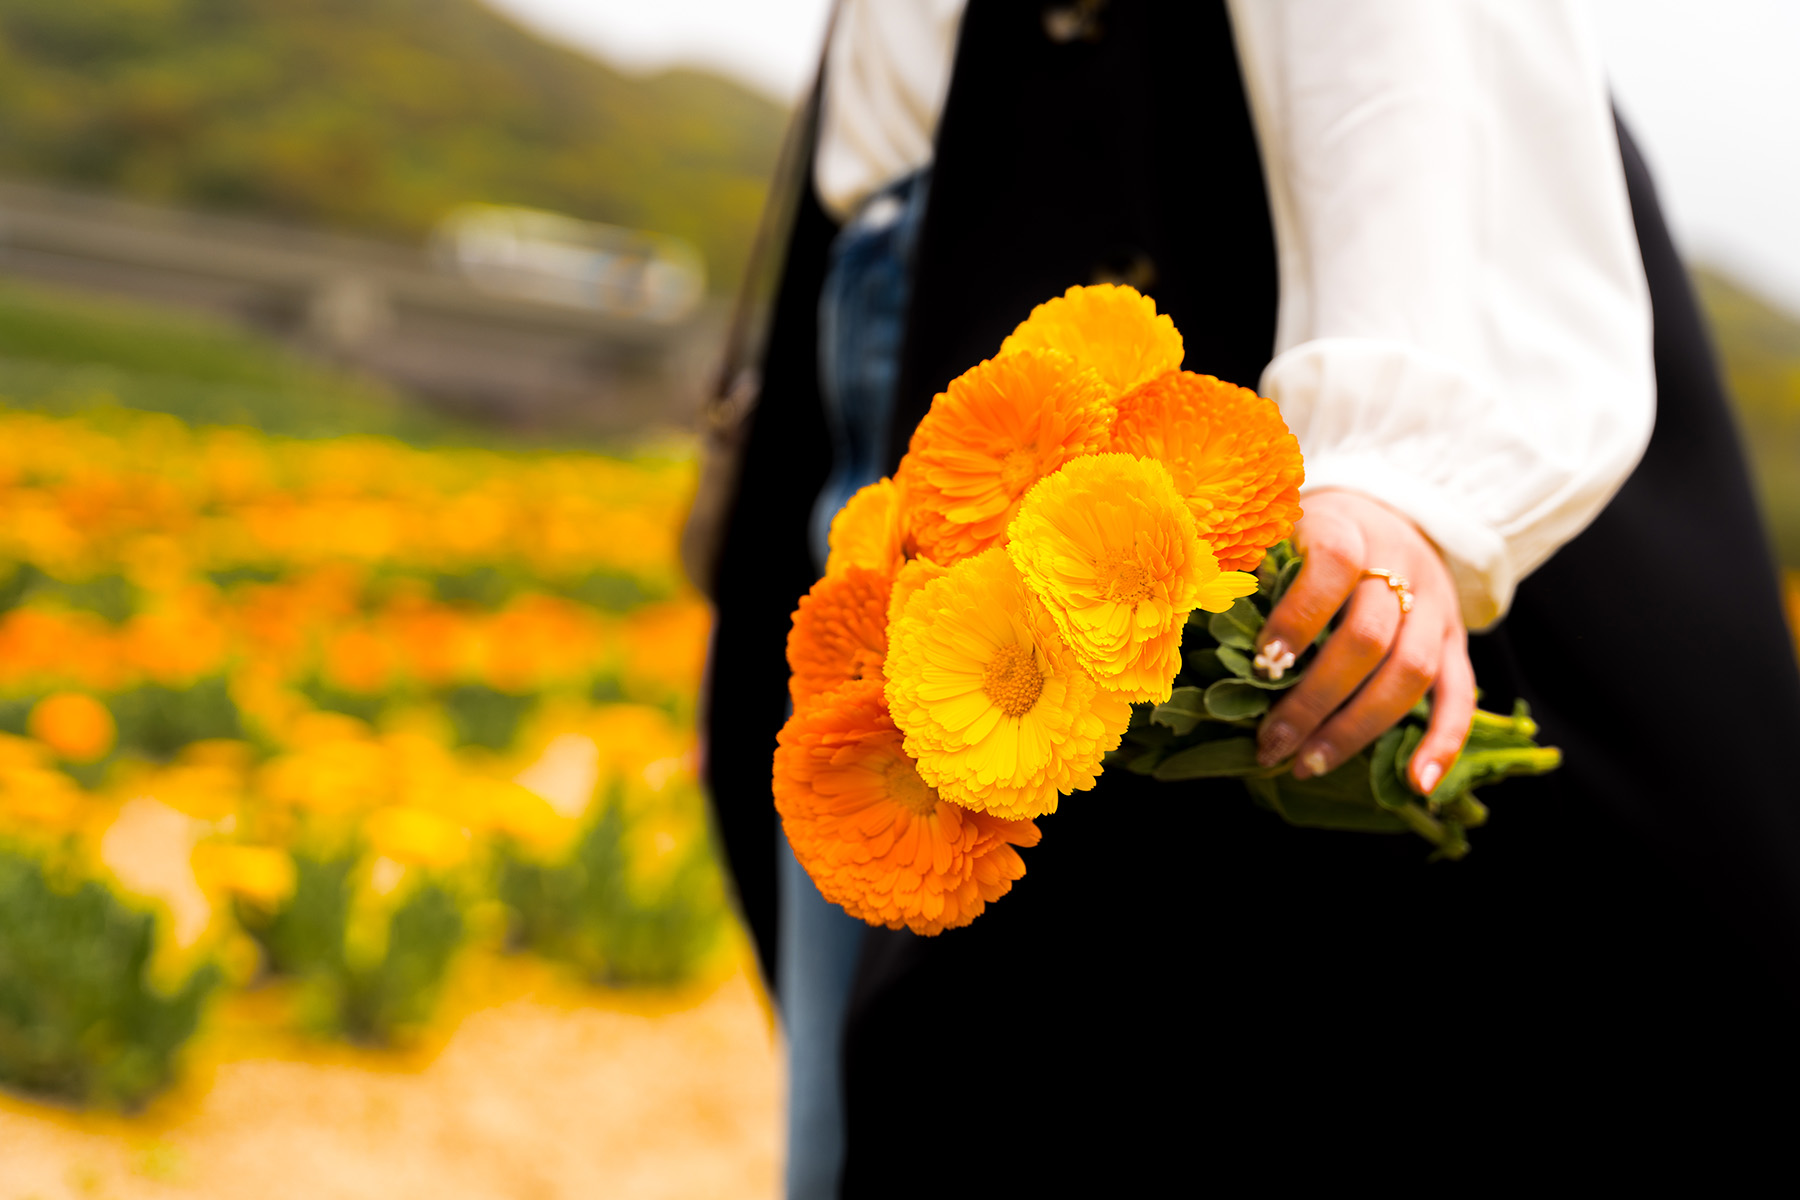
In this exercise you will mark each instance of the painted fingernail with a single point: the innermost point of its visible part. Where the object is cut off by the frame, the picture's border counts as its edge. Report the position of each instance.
(1429, 774)
(1274, 659)
(1316, 762)
(1275, 742)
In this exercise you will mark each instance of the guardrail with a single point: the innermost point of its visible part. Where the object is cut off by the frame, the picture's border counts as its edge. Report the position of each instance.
(377, 306)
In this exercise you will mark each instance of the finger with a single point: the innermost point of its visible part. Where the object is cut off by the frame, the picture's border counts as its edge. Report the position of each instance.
(1354, 650)
(1329, 574)
(1452, 708)
(1399, 683)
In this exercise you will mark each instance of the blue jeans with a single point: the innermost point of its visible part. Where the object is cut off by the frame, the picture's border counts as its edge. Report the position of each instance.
(862, 319)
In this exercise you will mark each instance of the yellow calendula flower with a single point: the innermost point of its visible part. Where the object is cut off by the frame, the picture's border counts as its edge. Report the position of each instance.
(994, 707)
(1113, 329)
(1109, 547)
(914, 575)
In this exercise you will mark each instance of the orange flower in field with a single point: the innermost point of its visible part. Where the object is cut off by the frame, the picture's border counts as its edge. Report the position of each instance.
(839, 633)
(77, 726)
(869, 531)
(1115, 330)
(1000, 428)
(875, 837)
(1230, 453)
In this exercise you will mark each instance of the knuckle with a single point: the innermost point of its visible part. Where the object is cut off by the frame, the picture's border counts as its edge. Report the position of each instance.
(1364, 638)
(1413, 671)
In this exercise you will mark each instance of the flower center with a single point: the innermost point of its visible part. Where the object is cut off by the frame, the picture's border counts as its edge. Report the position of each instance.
(1123, 579)
(1013, 681)
(908, 790)
(1019, 469)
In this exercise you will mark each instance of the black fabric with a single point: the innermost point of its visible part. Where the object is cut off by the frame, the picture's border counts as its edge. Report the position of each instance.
(1126, 158)
(765, 566)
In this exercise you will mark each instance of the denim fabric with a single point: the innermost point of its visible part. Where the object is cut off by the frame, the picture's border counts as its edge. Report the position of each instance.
(862, 319)
(862, 316)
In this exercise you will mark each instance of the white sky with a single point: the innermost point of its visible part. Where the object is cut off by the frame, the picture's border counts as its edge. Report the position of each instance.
(1709, 87)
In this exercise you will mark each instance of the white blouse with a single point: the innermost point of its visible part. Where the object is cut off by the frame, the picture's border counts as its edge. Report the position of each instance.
(1464, 328)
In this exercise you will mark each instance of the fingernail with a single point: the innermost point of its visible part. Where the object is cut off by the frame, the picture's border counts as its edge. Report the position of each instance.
(1275, 742)
(1429, 774)
(1316, 762)
(1274, 659)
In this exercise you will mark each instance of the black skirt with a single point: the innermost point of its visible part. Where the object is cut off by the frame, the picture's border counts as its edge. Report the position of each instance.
(1181, 979)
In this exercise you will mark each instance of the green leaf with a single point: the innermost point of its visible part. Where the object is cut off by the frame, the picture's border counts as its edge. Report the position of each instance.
(1212, 760)
(1236, 661)
(1284, 580)
(1183, 710)
(1203, 666)
(1235, 700)
(1385, 765)
(1238, 625)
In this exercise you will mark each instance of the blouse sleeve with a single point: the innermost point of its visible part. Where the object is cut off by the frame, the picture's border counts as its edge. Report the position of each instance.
(1464, 331)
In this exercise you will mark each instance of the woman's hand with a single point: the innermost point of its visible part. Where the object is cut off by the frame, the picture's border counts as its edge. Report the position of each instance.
(1379, 662)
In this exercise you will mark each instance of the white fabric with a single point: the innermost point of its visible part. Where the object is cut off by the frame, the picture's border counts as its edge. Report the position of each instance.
(1464, 330)
(886, 72)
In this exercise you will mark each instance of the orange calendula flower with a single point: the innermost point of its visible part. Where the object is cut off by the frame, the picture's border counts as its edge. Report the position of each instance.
(1109, 548)
(1000, 428)
(1113, 329)
(874, 836)
(996, 709)
(1230, 453)
(75, 725)
(839, 632)
(869, 531)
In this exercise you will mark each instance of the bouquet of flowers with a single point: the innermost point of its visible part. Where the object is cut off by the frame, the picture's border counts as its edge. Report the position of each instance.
(1067, 573)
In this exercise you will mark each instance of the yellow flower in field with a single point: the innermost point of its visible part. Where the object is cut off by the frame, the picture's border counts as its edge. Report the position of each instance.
(996, 709)
(1108, 546)
(869, 531)
(75, 725)
(263, 875)
(415, 837)
(1113, 329)
(1230, 453)
(1000, 428)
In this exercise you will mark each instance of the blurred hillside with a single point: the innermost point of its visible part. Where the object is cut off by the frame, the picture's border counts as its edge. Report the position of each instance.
(373, 115)
(1759, 351)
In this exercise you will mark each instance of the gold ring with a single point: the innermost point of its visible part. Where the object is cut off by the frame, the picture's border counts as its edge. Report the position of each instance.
(1397, 583)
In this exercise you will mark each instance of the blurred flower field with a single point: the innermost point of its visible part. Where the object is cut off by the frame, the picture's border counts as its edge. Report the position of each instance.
(378, 707)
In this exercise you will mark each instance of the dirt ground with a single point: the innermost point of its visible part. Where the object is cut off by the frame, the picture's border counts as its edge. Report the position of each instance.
(533, 1088)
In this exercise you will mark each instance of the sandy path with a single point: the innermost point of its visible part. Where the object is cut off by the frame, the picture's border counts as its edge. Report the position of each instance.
(540, 1089)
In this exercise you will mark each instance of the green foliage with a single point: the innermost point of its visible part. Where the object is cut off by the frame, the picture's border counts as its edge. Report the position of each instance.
(156, 720)
(62, 353)
(584, 911)
(377, 115)
(306, 934)
(1206, 730)
(79, 1019)
(377, 998)
(1759, 351)
(382, 1001)
(486, 716)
